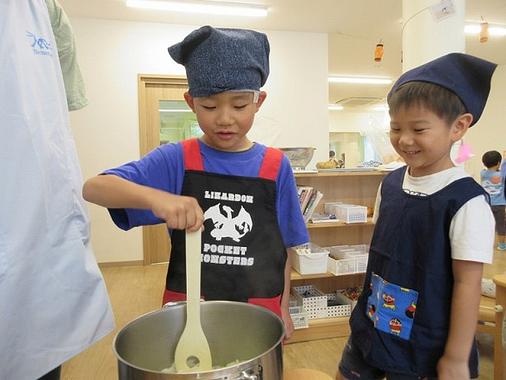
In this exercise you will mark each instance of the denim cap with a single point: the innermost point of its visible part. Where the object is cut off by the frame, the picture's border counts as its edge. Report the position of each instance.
(466, 76)
(218, 60)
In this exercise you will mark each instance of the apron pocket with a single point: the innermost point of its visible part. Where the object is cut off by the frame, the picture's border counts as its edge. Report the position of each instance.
(391, 307)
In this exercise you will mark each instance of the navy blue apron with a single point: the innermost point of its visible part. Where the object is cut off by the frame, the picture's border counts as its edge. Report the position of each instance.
(402, 318)
(243, 255)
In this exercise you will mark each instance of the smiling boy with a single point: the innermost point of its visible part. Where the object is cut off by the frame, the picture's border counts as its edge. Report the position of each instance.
(434, 230)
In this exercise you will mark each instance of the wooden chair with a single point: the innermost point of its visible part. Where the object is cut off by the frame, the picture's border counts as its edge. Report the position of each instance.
(490, 321)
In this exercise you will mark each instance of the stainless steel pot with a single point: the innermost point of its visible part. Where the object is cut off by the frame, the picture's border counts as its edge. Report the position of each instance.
(235, 331)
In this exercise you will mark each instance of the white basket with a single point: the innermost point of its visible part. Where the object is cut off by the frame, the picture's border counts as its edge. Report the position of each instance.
(342, 310)
(347, 266)
(350, 259)
(312, 300)
(300, 317)
(312, 260)
(351, 213)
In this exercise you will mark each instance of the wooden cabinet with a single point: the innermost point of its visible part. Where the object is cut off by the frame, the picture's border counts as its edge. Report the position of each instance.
(350, 187)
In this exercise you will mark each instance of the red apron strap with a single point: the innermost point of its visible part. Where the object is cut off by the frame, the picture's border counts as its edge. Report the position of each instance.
(271, 164)
(273, 304)
(192, 156)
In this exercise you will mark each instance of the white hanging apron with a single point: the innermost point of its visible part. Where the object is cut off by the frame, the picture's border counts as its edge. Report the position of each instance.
(53, 301)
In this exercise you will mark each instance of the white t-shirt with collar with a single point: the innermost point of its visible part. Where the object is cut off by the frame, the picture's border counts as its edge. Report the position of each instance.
(472, 230)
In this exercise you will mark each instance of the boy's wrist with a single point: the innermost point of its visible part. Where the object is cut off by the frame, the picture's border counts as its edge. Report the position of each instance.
(151, 197)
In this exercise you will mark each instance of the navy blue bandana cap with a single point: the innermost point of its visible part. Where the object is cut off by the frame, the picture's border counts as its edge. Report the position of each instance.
(218, 60)
(466, 76)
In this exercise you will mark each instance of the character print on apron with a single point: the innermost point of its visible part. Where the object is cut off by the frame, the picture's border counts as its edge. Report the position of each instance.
(391, 308)
(243, 255)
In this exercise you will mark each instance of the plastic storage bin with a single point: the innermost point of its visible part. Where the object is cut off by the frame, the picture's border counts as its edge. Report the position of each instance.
(347, 259)
(300, 317)
(330, 208)
(346, 251)
(351, 213)
(312, 300)
(338, 305)
(310, 259)
(349, 295)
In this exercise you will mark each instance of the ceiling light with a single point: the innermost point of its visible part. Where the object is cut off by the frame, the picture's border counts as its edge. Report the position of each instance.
(492, 30)
(205, 7)
(359, 80)
(335, 107)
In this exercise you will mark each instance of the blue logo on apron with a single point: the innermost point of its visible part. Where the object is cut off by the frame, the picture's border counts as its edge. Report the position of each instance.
(40, 45)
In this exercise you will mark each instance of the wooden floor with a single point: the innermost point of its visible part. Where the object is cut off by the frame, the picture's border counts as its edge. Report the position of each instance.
(135, 290)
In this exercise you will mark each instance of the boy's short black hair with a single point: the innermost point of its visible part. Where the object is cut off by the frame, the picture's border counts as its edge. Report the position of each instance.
(491, 158)
(444, 103)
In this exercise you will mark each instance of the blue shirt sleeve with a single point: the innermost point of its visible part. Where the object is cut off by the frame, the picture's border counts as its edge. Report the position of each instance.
(290, 220)
(161, 169)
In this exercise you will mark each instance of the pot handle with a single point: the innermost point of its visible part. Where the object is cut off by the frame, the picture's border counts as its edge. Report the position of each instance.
(245, 376)
(251, 374)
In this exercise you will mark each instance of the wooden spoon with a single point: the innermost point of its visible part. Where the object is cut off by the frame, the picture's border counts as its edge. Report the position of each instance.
(192, 351)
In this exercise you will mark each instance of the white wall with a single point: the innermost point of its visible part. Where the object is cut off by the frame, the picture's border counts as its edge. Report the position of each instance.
(357, 121)
(112, 53)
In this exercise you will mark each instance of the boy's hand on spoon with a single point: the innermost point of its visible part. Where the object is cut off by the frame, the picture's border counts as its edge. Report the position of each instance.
(179, 212)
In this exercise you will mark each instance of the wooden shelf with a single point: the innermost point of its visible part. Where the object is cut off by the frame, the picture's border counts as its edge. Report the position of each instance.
(358, 188)
(340, 174)
(296, 276)
(322, 329)
(339, 224)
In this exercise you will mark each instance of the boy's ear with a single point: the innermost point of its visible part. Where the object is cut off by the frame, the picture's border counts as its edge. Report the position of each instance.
(261, 97)
(189, 100)
(461, 125)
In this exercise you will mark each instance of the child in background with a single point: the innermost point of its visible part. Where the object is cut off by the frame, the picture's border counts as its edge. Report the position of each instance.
(493, 181)
(417, 315)
(242, 192)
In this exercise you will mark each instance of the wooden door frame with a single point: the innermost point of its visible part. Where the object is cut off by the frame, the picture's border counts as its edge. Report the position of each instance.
(147, 139)
(145, 80)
